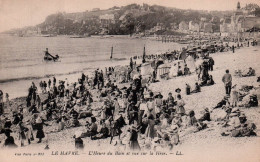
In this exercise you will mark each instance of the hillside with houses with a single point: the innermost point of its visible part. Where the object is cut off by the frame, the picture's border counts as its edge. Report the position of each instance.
(145, 20)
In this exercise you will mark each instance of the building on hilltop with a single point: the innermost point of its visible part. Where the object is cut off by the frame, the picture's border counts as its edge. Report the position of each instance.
(194, 27)
(107, 19)
(183, 26)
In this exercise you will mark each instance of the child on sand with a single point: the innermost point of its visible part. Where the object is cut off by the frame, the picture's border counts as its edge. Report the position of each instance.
(9, 141)
(234, 96)
(22, 131)
(78, 141)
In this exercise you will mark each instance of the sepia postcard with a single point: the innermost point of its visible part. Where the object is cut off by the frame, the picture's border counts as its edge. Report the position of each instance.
(130, 80)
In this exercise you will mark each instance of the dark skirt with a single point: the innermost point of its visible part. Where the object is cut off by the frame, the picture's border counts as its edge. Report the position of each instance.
(79, 143)
(134, 146)
(22, 134)
(89, 134)
(40, 134)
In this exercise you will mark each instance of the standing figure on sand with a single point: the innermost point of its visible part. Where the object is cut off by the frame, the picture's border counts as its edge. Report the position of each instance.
(227, 80)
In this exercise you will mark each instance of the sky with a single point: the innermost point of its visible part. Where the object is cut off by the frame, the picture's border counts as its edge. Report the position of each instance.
(21, 13)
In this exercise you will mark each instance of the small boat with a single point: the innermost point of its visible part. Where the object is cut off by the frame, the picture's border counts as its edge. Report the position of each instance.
(78, 36)
(51, 58)
(49, 35)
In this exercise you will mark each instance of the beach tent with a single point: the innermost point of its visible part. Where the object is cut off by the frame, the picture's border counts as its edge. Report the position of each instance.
(163, 70)
(190, 63)
(199, 62)
(175, 67)
(158, 63)
(146, 69)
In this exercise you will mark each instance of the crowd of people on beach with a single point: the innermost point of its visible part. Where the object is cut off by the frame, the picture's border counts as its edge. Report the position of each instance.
(129, 114)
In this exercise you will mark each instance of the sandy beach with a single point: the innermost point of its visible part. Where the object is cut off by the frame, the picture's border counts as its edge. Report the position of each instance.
(208, 142)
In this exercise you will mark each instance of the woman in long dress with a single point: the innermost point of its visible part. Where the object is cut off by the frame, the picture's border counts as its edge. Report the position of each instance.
(39, 126)
(150, 131)
(134, 145)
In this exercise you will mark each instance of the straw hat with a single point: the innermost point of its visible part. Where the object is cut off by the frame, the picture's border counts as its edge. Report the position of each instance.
(178, 90)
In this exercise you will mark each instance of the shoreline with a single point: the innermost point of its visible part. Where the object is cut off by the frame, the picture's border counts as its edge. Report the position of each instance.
(73, 77)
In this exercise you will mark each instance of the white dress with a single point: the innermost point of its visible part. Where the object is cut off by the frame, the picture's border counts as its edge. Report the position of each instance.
(234, 97)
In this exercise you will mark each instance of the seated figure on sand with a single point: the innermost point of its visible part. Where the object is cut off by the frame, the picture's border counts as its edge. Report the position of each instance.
(223, 102)
(250, 72)
(197, 88)
(210, 81)
(193, 125)
(205, 116)
(238, 126)
(91, 128)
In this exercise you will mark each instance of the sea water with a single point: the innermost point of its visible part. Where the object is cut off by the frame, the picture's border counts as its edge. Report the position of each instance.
(21, 58)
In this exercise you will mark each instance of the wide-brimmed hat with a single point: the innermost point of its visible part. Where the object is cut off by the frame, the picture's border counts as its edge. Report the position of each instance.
(178, 90)
(7, 120)
(7, 131)
(234, 114)
(235, 110)
(176, 115)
